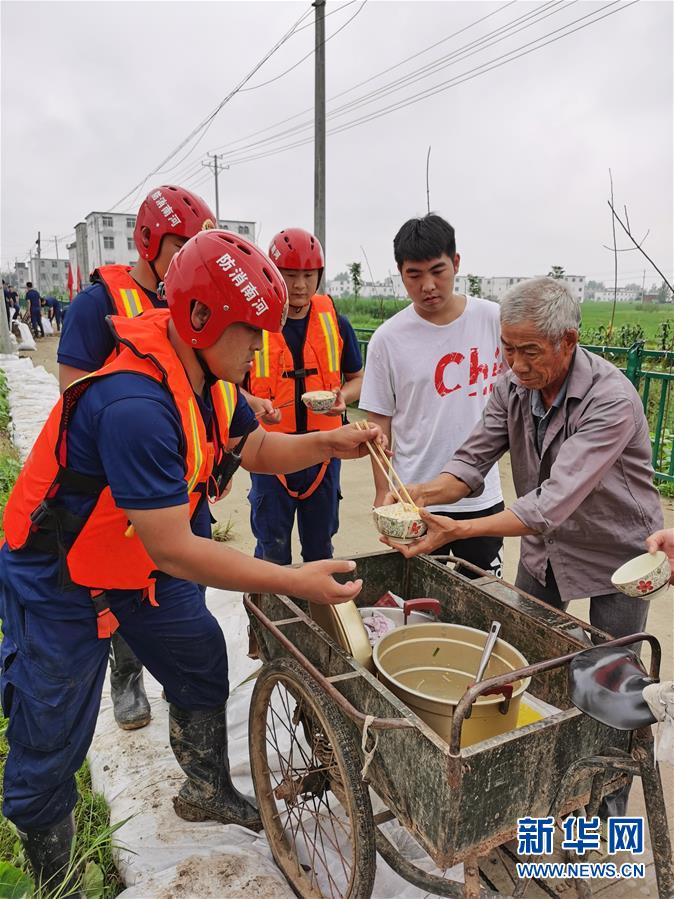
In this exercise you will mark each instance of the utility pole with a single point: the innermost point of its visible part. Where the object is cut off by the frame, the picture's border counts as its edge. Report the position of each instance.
(319, 126)
(213, 166)
(39, 255)
(56, 246)
(643, 285)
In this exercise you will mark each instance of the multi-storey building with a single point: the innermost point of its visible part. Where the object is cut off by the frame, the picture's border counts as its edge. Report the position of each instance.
(493, 288)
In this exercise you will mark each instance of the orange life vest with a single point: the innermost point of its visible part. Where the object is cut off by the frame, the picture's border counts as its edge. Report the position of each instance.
(273, 375)
(106, 553)
(127, 298)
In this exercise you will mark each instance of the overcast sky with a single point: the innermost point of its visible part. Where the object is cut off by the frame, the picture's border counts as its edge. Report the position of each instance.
(96, 94)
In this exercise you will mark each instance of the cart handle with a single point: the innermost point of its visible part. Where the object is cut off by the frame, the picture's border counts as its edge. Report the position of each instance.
(486, 686)
(358, 718)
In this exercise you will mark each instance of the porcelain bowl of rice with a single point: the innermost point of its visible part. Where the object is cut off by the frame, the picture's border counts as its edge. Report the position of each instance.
(399, 522)
(319, 400)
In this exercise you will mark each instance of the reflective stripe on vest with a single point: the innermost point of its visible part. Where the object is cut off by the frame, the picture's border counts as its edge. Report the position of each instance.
(272, 374)
(127, 298)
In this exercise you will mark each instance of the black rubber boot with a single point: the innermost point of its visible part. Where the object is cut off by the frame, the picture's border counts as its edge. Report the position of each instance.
(48, 852)
(129, 702)
(199, 742)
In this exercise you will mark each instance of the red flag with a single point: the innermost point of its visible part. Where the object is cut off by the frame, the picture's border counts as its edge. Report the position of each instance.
(79, 279)
(70, 282)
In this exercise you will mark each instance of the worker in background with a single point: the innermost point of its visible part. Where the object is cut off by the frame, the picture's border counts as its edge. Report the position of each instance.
(100, 535)
(54, 311)
(167, 218)
(317, 350)
(34, 303)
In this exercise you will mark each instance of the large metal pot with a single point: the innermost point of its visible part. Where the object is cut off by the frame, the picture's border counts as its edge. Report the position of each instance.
(430, 666)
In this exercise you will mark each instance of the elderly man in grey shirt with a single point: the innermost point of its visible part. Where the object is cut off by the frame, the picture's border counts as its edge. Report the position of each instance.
(581, 461)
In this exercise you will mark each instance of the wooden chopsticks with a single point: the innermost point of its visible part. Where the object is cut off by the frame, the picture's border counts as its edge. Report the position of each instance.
(389, 471)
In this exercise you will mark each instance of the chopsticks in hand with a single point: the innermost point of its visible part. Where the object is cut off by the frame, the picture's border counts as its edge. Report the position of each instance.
(385, 464)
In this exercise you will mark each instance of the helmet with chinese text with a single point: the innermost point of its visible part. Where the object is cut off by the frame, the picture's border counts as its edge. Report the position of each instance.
(298, 250)
(230, 276)
(170, 210)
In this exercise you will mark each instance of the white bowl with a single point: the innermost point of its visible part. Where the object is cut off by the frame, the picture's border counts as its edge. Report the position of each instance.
(319, 400)
(399, 522)
(644, 576)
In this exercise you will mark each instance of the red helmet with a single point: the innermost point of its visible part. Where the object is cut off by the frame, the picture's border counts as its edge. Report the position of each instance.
(233, 278)
(170, 210)
(297, 249)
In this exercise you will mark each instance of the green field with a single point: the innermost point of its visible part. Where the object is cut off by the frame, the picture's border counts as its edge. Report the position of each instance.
(648, 315)
(369, 313)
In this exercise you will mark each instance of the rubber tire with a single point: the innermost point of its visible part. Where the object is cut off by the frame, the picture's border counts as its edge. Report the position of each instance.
(301, 686)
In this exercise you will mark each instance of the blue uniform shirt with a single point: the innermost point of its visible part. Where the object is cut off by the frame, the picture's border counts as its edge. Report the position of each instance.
(33, 300)
(126, 430)
(86, 339)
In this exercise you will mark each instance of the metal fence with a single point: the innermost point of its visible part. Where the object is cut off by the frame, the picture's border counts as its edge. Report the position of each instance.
(651, 372)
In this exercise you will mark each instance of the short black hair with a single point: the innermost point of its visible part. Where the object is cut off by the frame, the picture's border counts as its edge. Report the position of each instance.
(29, 283)
(424, 238)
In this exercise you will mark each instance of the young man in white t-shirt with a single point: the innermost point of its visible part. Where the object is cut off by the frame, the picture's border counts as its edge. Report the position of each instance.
(429, 373)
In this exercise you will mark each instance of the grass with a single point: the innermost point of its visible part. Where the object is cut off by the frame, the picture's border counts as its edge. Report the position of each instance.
(648, 316)
(93, 844)
(369, 313)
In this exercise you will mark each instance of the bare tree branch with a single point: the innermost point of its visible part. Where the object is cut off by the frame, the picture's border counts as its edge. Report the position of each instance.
(615, 263)
(628, 249)
(627, 231)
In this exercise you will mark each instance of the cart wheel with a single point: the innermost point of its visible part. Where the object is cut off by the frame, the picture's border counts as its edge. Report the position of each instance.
(314, 806)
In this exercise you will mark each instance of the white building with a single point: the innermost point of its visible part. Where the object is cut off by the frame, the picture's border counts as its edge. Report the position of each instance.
(46, 275)
(624, 294)
(245, 229)
(493, 288)
(109, 241)
(106, 238)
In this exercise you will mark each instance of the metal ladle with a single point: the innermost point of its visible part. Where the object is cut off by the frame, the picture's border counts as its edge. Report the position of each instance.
(489, 644)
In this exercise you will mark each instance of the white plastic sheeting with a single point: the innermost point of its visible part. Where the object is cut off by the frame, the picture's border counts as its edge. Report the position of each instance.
(32, 394)
(26, 341)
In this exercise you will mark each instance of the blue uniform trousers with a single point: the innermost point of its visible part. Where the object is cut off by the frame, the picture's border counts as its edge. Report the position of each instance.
(36, 323)
(272, 514)
(53, 672)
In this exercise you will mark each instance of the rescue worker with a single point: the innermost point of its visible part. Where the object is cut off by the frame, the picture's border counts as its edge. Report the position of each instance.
(100, 535)
(317, 350)
(167, 218)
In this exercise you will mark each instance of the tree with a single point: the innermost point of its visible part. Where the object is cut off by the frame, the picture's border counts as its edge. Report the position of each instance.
(356, 278)
(664, 294)
(557, 272)
(474, 285)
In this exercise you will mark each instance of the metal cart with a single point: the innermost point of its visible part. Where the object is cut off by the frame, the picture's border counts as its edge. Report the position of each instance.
(328, 740)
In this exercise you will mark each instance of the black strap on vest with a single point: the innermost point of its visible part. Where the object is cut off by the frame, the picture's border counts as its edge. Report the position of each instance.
(300, 373)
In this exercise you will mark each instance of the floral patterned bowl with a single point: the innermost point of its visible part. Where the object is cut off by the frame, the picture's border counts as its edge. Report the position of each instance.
(643, 576)
(319, 400)
(399, 522)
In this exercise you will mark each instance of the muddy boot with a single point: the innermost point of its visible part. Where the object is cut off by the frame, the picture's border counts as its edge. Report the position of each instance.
(129, 702)
(199, 743)
(48, 852)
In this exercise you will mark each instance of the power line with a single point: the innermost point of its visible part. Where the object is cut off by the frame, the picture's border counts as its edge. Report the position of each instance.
(372, 77)
(462, 53)
(311, 52)
(206, 122)
(183, 176)
(463, 77)
(190, 167)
